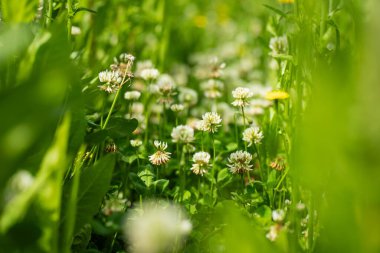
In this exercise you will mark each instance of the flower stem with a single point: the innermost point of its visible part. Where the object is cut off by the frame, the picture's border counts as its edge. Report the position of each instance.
(49, 15)
(245, 125)
(69, 17)
(111, 109)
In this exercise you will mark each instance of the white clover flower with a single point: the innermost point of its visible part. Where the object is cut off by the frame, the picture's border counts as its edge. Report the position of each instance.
(166, 88)
(212, 88)
(149, 74)
(254, 110)
(201, 163)
(300, 206)
(177, 107)
(211, 122)
(136, 143)
(20, 182)
(109, 77)
(165, 84)
(278, 215)
(200, 125)
(279, 45)
(188, 96)
(241, 95)
(252, 135)
(157, 227)
(126, 58)
(160, 157)
(273, 232)
(141, 65)
(239, 162)
(132, 95)
(182, 134)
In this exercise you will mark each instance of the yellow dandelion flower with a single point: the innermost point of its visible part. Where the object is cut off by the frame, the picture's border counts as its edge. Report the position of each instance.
(286, 1)
(277, 95)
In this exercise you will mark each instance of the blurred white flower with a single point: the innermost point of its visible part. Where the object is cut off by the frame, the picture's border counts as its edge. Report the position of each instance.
(136, 143)
(273, 232)
(21, 181)
(157, 227)
(212, 88)
(149, 74)
(279, 45)
(252, 135)
(182, 134)
(166, 88)
(132, 95)
(187, 96)
(242, 96)
(177, 107)
(278, 215)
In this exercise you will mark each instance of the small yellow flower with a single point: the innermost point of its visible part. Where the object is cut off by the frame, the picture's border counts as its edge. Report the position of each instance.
(286, 1)
(277, 95)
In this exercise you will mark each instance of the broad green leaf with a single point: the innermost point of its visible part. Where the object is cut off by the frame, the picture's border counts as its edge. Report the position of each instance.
(97, 137)
(120, 127)
(264, 215)
(161, 185)
(223, 175)
(146, 176)
(94, 183)
(272, 179)
(137, 183)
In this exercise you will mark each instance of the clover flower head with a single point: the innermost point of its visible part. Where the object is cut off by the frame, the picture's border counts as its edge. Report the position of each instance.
(149, 74)
(182, 134)
(160, 157)
(273, 232)
(211, 122)
(252, 135)
(188, 96)
(177, 107)
(239, 162)
(241, 95)
(156, 227)
(212, 88)
(201, 163)
(126, 58)
(136, 143)
(278, 215)
(279, 45)
(108, 76)
(132, 95)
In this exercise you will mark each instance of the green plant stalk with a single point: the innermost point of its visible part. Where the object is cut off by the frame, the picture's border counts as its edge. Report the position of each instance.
(69, 223)
(311, 224)
(259, 162)
(165, 34)
(49, 15)
(182, 175)
(111, 109)
(69, 17)
(236, 130)
(245, 125)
